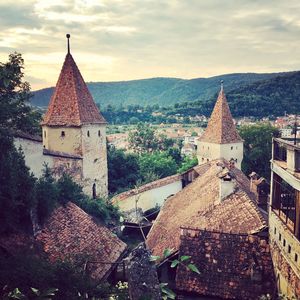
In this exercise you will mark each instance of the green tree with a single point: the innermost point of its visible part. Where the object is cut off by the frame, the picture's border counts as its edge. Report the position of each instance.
(257, 148)
(123, 170)
(46, 194)
(15, 111)
(143, 139)
(133, 120)
(16, 187)
(68, 190)
(188, 162)
(158, 163)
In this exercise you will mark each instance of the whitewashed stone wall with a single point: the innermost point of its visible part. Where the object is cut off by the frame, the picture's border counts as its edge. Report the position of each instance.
(94, 155)
(151, 197)
(33, 152)
(210, 151)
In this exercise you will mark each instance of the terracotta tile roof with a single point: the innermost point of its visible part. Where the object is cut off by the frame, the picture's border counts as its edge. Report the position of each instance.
(70, 233)
(197, 205)
(220, 128)
(71, 103)
(26, 136)
(232, 266)
(61, 154)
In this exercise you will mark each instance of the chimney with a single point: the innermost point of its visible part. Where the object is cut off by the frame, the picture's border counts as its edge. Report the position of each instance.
(253, 179)
(227, 184)
(260, 188)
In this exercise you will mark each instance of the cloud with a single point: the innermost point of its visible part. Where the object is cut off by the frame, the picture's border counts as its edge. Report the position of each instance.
(119, 40)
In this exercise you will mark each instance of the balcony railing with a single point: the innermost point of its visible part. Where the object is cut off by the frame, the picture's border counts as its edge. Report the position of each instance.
(287, 153)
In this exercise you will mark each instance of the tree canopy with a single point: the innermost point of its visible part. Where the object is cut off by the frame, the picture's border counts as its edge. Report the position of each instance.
(15, 110)
(257, 148)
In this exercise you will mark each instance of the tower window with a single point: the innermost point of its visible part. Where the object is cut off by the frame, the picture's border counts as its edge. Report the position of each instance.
(296, 257)
(275, 230)
(99, 133)
(63, 134)
(289, 249)
(279, 236)
(44, 133)
(88, 133)
(284, 243)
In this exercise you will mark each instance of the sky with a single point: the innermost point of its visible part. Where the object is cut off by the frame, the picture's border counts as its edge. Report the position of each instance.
(115, 40)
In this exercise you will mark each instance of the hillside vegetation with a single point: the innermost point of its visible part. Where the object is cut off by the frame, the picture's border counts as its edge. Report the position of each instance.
(161, 91)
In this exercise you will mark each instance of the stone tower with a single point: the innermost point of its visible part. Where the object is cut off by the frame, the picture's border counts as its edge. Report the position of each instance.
(74, 131)
(220, 139)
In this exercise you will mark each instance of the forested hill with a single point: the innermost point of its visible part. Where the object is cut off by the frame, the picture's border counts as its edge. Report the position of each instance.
(267, 97)
(161, 91)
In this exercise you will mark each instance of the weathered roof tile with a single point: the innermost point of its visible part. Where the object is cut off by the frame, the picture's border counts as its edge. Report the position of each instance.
(197, 205)
(220, 128)
(71, 103)
(70, 233)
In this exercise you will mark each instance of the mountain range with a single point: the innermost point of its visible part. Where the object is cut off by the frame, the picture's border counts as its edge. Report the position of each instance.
(246, 92)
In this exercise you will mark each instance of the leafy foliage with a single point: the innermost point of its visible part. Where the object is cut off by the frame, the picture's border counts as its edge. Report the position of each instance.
(15, 112)
(123, 169)
(17, 187)
(257, 148)
(159, 163)
(46, 194)
(187, 163)
(25, 270)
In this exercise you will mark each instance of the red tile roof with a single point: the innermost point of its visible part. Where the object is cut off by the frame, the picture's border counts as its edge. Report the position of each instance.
(198, 205)
(232, 266)
(220, 128)
(70, 233)
(71, 103)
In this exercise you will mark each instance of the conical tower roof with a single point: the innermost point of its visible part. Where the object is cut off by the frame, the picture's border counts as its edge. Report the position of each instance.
(71, 103)
(221, 128)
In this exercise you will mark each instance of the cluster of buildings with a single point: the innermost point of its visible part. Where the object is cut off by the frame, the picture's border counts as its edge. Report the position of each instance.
(213, 213)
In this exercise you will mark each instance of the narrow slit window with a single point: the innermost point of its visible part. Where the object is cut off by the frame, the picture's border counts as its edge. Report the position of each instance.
(99, 133)
(88, 133)
(63, 134)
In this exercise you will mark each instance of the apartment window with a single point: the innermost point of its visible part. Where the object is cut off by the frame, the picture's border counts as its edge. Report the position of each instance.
(63, 134)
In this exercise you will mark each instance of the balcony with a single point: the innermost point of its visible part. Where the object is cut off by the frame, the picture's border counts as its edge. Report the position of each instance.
(286, 154)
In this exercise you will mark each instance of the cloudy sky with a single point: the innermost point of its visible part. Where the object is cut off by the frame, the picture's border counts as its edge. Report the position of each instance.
(132, 39)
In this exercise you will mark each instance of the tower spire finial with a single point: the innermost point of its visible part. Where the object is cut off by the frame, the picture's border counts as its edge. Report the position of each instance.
(222, 85)
(68, 37)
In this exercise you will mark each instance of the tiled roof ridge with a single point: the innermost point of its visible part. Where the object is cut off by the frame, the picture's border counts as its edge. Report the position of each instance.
(145, 187)
(76, 73)
(185, 230)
